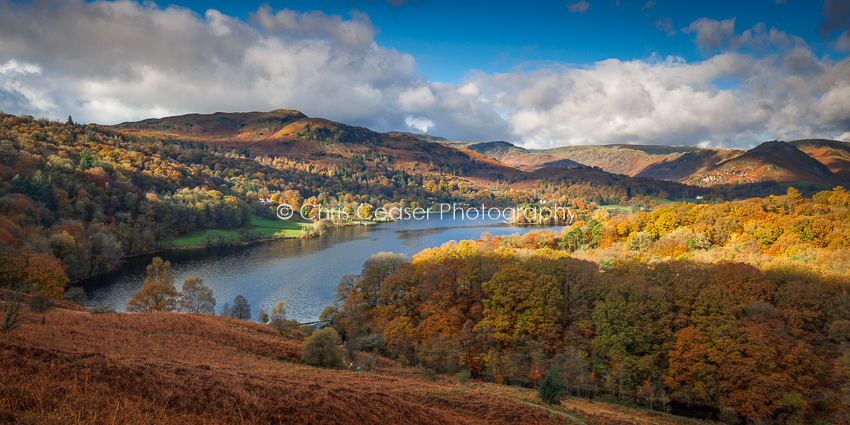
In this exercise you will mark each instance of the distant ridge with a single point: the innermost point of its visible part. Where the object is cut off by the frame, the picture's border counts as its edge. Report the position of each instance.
(769, 161)
(818, 161)
(292, 134)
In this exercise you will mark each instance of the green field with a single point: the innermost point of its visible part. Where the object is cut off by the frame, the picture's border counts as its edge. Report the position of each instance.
(613, 207)
(267, 227)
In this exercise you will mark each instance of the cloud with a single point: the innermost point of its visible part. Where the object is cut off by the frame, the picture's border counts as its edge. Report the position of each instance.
(665, 23)
(109, 62)
(779, 89)
(836, 14)
(113, 61)
(419, 123)
(712, 35)
(580, 6)
(843, 42)
(356, 33)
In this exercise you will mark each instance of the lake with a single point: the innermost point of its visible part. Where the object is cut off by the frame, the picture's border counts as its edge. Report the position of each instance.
(303, 273)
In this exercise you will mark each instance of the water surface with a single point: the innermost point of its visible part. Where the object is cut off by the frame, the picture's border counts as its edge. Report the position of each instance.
(303, 273)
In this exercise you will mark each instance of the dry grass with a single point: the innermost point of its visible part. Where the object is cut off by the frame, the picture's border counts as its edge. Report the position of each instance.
(596, 412)
(186, 369)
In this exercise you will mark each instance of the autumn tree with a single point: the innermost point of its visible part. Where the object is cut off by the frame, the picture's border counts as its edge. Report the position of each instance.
(277, 319)
(154, 296)
(196, 297)
(375, 269)
(158, 293)
(159, 271)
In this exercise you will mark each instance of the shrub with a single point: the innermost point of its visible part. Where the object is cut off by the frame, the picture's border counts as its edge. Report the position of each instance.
(75, 294)
(322, 349)
(464, 376)
(553, 389)
(372, 343)
(429, 374)
(729, 416)
(101, 309)
(369, 362)
(41, 304)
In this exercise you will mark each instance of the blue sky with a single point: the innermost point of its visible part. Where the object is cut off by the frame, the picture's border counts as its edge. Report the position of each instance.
(449, 38)
(538, 74)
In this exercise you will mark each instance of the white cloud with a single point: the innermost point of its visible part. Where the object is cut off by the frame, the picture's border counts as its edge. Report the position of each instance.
(417, 99)
(109, 62)
(419, 123)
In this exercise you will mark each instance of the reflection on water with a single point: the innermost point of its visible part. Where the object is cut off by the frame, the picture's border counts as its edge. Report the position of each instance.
(303, 273)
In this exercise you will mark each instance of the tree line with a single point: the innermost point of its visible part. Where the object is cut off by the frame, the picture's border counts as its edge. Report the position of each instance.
(746, 342)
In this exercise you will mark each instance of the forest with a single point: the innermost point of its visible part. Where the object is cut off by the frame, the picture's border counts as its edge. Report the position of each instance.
(75, 199)
(739, 309)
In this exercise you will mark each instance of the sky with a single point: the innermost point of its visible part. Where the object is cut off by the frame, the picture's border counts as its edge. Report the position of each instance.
(539, 74)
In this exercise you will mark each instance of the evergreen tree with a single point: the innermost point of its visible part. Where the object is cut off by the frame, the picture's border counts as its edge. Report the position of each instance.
(86, 160)
(553, 389)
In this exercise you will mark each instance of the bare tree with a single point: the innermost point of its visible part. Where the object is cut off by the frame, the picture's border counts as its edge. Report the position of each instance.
(12, 311)
(240, 309)
(196, 297)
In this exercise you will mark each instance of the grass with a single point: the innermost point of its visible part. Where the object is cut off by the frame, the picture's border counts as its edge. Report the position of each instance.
(266, 227)
(181, 369)
(614, 207)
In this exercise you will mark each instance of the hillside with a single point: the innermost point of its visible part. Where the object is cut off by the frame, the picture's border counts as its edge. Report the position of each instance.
(815, 161)
(293, 135)
(674, 163)
(172, 368)
(525, 159)
(832, 153)
(769, 161)
(497, 171)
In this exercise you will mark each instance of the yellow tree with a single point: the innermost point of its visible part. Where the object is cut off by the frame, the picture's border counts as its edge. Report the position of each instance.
(159, 293)
(277, 319)
(154, 296)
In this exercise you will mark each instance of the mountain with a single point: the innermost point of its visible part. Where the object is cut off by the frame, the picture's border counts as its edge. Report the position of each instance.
(525, 159)
(770, 161)
(814, 161)
(832, 153)
(293, 135)
(328, 145)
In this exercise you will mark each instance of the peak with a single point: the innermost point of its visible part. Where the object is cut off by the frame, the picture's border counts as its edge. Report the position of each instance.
(294, 113)
(774, 145)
